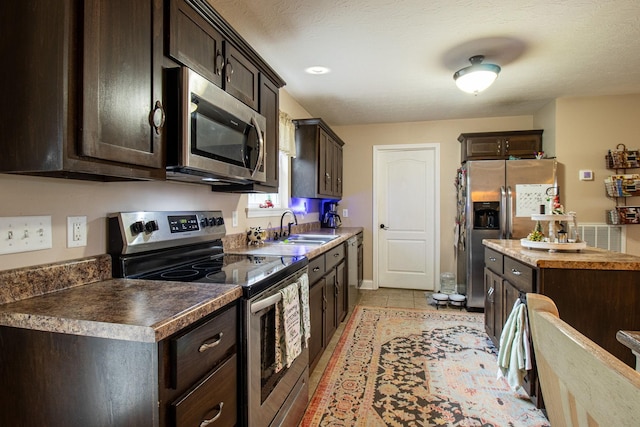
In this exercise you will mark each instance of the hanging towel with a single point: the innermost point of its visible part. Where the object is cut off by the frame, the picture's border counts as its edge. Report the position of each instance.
(514, 357)
(290, 313)
(305, 319)
(279, 337)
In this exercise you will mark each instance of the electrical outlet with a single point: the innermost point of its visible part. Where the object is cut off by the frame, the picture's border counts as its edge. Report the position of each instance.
(345, 213)
(76, 231)
(234, 218)
(25, 234)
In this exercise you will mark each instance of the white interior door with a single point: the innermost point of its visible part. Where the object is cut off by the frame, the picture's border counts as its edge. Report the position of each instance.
(406, 216)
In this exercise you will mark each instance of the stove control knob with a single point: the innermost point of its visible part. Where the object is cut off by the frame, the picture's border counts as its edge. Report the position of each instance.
(204, 222)
(151, 226)
(137, 227)
(219, 221)
(211, 222)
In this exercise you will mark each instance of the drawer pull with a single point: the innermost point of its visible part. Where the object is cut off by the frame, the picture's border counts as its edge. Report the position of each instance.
(336, 255)
(207, 345)
(316, 269)
(492, 259)
(516, 272)
(205, 423)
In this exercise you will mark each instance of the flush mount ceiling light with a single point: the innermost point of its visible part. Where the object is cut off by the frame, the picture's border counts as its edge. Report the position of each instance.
(477, 77)
(317, 69)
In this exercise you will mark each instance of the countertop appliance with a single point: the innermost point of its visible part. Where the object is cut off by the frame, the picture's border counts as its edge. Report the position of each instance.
(186, 246)
(330, 217)
(212, 137)
(495, 200)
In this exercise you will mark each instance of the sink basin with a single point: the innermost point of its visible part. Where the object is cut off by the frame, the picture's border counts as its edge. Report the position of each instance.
(308, 239)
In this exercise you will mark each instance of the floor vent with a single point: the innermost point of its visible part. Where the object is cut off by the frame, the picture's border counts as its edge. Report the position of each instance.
(604, 236)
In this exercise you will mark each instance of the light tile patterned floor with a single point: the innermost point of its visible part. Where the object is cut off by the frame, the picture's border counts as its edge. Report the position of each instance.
(383, 297)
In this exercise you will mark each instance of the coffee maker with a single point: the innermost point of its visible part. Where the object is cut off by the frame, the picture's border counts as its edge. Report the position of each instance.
(330, 217)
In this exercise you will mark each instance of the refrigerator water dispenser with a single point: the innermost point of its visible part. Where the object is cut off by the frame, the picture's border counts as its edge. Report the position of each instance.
(486, 215)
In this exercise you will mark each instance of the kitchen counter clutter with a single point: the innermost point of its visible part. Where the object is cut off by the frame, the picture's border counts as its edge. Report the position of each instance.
(596, 291)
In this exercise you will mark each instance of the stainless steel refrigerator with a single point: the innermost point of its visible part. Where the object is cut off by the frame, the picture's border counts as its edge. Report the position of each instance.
(495, 201)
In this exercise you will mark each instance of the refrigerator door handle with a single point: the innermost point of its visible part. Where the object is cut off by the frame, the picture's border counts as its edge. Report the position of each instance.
(509, 213)
(503, 212)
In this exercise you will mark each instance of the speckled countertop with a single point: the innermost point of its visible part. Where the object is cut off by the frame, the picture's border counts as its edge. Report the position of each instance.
(80, 297)
(585, 259)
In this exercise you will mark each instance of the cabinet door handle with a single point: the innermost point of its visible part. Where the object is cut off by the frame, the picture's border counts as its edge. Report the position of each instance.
(228, 71)
(316, 269)
(490, 295)
(218, 408)
(157, 117)
(336, 255)
(492, 259)
(219, 62)
(209, 344)
(516, 272)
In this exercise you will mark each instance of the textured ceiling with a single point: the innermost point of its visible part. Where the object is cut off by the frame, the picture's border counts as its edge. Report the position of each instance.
(393, 60)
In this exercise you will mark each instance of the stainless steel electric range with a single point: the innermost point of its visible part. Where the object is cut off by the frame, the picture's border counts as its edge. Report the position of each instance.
(187, 246)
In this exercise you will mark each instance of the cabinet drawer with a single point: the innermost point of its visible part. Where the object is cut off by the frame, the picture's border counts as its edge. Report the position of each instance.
(520, 275)
(316, 269)
(215, 399)
(334, 256)
(199, 350)
(493, 260)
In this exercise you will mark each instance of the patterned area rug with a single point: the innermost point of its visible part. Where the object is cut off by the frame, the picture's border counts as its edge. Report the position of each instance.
(408, 367)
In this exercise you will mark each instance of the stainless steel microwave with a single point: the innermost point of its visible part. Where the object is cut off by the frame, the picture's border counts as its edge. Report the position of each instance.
(212, 137)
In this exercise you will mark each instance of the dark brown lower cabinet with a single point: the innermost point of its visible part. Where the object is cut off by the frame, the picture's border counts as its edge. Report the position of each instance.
(65, 380)
(328, 303)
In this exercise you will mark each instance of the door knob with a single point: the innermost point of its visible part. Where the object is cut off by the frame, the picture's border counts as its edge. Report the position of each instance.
(382, 226)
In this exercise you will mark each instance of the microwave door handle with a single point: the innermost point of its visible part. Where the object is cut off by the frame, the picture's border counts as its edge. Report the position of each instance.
(261, 141)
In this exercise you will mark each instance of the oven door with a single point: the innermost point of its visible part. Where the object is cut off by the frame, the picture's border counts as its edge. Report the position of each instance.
(274, 398)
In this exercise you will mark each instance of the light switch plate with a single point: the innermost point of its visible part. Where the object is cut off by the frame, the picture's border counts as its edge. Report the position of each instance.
(25, 234)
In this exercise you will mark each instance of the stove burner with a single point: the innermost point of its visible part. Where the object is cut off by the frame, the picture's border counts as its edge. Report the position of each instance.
(207, 265)
(179, 274)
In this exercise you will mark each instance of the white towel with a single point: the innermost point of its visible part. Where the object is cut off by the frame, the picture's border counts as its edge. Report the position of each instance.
(305, 318)
(290, 315)
(514, 357)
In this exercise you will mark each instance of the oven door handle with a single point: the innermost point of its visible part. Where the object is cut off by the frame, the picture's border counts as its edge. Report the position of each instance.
(264, 303)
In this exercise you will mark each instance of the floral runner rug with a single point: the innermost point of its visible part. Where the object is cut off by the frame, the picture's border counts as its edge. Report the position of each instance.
(410, 367)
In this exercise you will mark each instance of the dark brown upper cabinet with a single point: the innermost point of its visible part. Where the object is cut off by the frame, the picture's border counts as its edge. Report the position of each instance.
(196, 43)
(500, 145)
(83, 90)
(122, 110)
(316, 171)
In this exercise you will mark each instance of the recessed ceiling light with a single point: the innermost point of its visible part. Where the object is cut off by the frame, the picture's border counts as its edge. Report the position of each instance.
(317, 70)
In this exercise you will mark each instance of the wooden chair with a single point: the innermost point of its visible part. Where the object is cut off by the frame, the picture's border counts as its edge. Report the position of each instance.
(582, 384)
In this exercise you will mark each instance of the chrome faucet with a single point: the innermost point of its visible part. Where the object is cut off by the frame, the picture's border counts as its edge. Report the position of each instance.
(295, 219)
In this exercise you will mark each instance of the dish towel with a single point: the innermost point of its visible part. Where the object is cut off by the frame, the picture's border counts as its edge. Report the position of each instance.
(305, 320)
(514, 357)
(289, 345)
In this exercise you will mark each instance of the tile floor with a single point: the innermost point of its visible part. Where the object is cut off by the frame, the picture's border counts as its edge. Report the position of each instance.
(383, 297)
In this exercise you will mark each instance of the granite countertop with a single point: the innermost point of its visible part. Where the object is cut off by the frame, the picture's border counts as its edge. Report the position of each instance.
(79, 297)
(631, 339)
(310, 251)
(585, 259)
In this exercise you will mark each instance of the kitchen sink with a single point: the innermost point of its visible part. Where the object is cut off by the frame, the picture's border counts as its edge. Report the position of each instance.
(308, 239)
